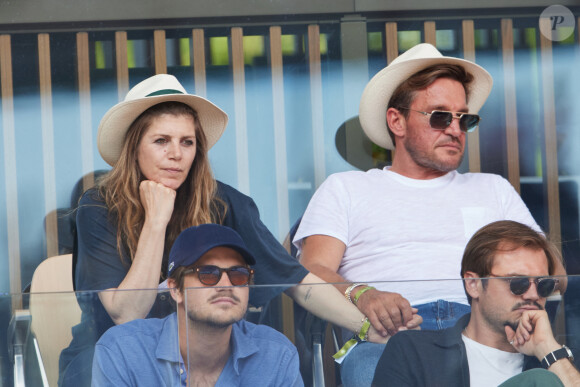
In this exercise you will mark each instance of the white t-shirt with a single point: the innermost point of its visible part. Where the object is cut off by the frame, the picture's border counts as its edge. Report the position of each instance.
(401, 229)
(490, 366)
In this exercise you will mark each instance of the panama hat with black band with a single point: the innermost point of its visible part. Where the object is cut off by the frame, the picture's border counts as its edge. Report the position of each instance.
(379, 90)
(152, 91)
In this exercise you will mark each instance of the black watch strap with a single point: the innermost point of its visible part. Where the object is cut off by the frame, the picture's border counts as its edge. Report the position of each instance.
(554, 356)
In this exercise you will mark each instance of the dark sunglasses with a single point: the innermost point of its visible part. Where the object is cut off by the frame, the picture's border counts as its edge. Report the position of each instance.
(441, 119)
(519, 285)
(210, 275)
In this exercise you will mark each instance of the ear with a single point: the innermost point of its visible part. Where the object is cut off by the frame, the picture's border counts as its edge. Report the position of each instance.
(396, 121)
(174, 291)
(472, 284)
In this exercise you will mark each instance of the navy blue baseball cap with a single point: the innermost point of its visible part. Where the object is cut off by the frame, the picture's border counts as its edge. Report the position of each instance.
(194, 242)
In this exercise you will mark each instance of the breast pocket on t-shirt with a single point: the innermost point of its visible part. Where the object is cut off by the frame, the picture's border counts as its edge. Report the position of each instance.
(474, 218)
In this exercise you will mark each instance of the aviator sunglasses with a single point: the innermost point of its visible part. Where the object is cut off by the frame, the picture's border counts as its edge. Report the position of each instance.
(440, 119)
(210, 275)
(519, 285)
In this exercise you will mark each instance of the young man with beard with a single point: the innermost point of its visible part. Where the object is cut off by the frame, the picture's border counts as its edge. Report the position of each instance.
(507, 269)
(410, 221)
(207, 342)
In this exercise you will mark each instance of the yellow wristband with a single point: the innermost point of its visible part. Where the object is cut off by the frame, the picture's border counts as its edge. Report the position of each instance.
(349, 290)
(360, 293)
(361, 336)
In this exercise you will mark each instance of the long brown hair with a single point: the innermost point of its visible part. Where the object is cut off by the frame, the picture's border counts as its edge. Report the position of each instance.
(195, 202)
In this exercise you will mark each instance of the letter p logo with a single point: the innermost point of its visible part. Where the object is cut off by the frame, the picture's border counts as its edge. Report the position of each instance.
(556, 20)
(557, 23)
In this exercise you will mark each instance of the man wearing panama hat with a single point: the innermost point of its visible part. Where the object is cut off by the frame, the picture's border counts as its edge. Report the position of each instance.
(412, 220)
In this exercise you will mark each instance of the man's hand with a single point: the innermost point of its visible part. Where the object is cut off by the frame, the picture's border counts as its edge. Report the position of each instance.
(158, 201)
(533, 336)
(388, 311)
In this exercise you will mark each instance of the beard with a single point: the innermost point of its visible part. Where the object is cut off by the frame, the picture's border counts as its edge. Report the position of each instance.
(430, 161)
(215, 316)
(212, 322)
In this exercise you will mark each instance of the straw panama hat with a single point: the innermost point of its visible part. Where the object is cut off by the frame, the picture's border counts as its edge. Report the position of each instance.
(152, 91)
(378, 92)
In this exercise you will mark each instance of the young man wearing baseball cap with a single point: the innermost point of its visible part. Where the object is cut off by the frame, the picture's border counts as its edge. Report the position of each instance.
(206, 342)
(412, 220)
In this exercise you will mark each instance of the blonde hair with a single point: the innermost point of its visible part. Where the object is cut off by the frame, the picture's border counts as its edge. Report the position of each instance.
(195, 202)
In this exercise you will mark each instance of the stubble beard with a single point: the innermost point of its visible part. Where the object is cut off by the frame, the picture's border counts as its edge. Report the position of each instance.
(214, 320)
(211, 322)
(428, 161)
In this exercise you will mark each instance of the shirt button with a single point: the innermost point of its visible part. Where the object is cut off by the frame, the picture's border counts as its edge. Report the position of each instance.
(181, 371)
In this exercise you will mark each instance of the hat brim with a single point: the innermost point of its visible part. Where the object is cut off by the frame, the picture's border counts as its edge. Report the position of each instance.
(116, 121)
(378, 92)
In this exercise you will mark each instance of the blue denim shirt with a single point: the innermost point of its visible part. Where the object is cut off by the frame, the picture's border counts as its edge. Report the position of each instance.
(146, 353)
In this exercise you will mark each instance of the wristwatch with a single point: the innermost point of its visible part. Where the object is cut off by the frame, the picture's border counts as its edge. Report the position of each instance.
(556, 355)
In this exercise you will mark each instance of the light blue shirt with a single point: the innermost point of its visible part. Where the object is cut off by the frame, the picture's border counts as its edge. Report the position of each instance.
(146, 353)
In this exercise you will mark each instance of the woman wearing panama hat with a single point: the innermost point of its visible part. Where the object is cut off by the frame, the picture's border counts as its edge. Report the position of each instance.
(161, 183)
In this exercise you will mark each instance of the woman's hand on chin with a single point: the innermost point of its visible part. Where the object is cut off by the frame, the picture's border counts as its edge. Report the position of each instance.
(157, 200)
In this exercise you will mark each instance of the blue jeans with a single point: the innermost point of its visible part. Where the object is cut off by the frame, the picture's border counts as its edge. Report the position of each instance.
(358, 368)
(441, 314)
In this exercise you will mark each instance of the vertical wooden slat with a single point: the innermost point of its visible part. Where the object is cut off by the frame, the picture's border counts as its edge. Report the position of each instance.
(391, 41)
(240, 110)
(10, 180)
(430, 33)
(469, 54)
(288, 318)
(84, 79)
(199, 62)
(550, 136)
(122, 63)
(279, 130)
(316, 106)
(47, 144)
(160, 52)
(511, 117)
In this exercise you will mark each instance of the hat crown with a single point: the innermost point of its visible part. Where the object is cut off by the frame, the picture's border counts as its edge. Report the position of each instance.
(155, 85)
(420, 51)
(195, 241)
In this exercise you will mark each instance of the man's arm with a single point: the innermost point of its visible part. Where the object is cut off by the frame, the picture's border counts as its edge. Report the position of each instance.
(388, 312)
(326, 302)
(534, 337)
